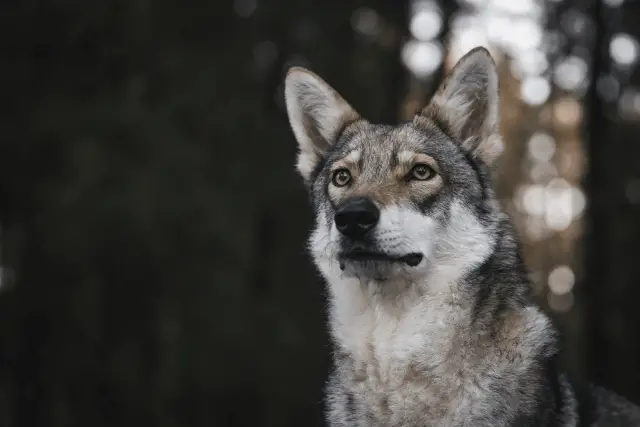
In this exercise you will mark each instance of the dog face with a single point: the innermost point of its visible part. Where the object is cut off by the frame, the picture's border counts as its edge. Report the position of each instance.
(399, 202)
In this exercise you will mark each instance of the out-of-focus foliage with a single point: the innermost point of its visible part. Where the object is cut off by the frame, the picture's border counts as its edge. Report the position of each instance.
(153, 228)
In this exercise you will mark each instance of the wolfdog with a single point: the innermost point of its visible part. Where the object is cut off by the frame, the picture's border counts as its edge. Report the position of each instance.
(431, 311)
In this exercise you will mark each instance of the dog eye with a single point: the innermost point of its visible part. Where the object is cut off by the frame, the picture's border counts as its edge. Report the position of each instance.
(422, 172)
(341, 177)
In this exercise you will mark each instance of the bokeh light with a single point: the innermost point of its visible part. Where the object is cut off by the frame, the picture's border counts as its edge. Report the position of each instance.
(560, 303)
(608, 87)
(623, 49)
(561, 280)
(245, 8)
(366, 21)
(542, 146)
(570, 74)
(632, 191)
(422, 58)
(535, 90)
(426, 22)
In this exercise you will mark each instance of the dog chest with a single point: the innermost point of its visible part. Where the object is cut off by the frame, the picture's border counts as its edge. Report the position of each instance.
(401, 368)
(427, 367)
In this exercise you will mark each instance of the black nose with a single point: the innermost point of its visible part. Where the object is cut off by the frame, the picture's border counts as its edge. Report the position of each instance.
(356, 217)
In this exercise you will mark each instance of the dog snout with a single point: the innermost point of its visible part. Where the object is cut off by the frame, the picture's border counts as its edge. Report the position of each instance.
(356, 217)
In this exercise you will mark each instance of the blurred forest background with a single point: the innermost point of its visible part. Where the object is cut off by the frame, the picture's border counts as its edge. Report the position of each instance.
(153, 230)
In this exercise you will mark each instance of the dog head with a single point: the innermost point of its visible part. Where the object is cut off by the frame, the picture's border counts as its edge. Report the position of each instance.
(399, 202)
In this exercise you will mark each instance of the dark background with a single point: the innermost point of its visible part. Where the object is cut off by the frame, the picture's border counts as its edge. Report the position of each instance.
(153, 229)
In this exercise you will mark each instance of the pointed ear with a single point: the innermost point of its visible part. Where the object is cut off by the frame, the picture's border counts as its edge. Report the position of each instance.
(467, 105)
(317, 114)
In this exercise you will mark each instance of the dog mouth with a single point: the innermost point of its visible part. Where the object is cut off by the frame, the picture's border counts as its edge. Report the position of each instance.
(411, 259)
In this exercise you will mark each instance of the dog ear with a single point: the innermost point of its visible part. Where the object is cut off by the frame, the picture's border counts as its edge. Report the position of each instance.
(317, 114)
(467, 105)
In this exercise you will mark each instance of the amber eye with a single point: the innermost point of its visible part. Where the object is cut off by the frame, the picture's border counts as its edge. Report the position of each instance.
(341, 177)
(422, 172)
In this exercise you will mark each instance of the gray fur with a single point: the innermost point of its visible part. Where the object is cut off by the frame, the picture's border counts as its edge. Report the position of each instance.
(455, 340)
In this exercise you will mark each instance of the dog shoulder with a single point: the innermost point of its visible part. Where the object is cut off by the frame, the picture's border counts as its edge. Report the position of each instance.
(528, 332)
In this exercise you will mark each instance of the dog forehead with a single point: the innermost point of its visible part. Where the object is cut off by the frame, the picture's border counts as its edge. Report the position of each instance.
(381, 146)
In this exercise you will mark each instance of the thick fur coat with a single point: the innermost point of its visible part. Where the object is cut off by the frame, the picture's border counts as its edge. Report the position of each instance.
(430, 307)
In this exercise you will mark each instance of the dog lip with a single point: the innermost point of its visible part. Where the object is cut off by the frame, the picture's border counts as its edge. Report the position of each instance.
(364, 255)
(411, 259)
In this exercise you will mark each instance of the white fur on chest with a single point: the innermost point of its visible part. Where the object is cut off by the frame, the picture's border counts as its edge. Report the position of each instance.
(402, 359)
(386, 340)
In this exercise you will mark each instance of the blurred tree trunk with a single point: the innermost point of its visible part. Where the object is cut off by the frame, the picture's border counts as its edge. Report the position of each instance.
(152, 214)
(612, 288)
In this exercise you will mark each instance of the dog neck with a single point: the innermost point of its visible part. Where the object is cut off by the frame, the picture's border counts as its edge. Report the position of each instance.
(475, 273)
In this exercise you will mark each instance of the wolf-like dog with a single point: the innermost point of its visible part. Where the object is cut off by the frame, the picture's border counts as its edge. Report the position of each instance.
(430, 309)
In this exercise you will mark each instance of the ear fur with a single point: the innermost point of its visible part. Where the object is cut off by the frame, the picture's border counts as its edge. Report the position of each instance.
(467, 105)
(317, 114)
